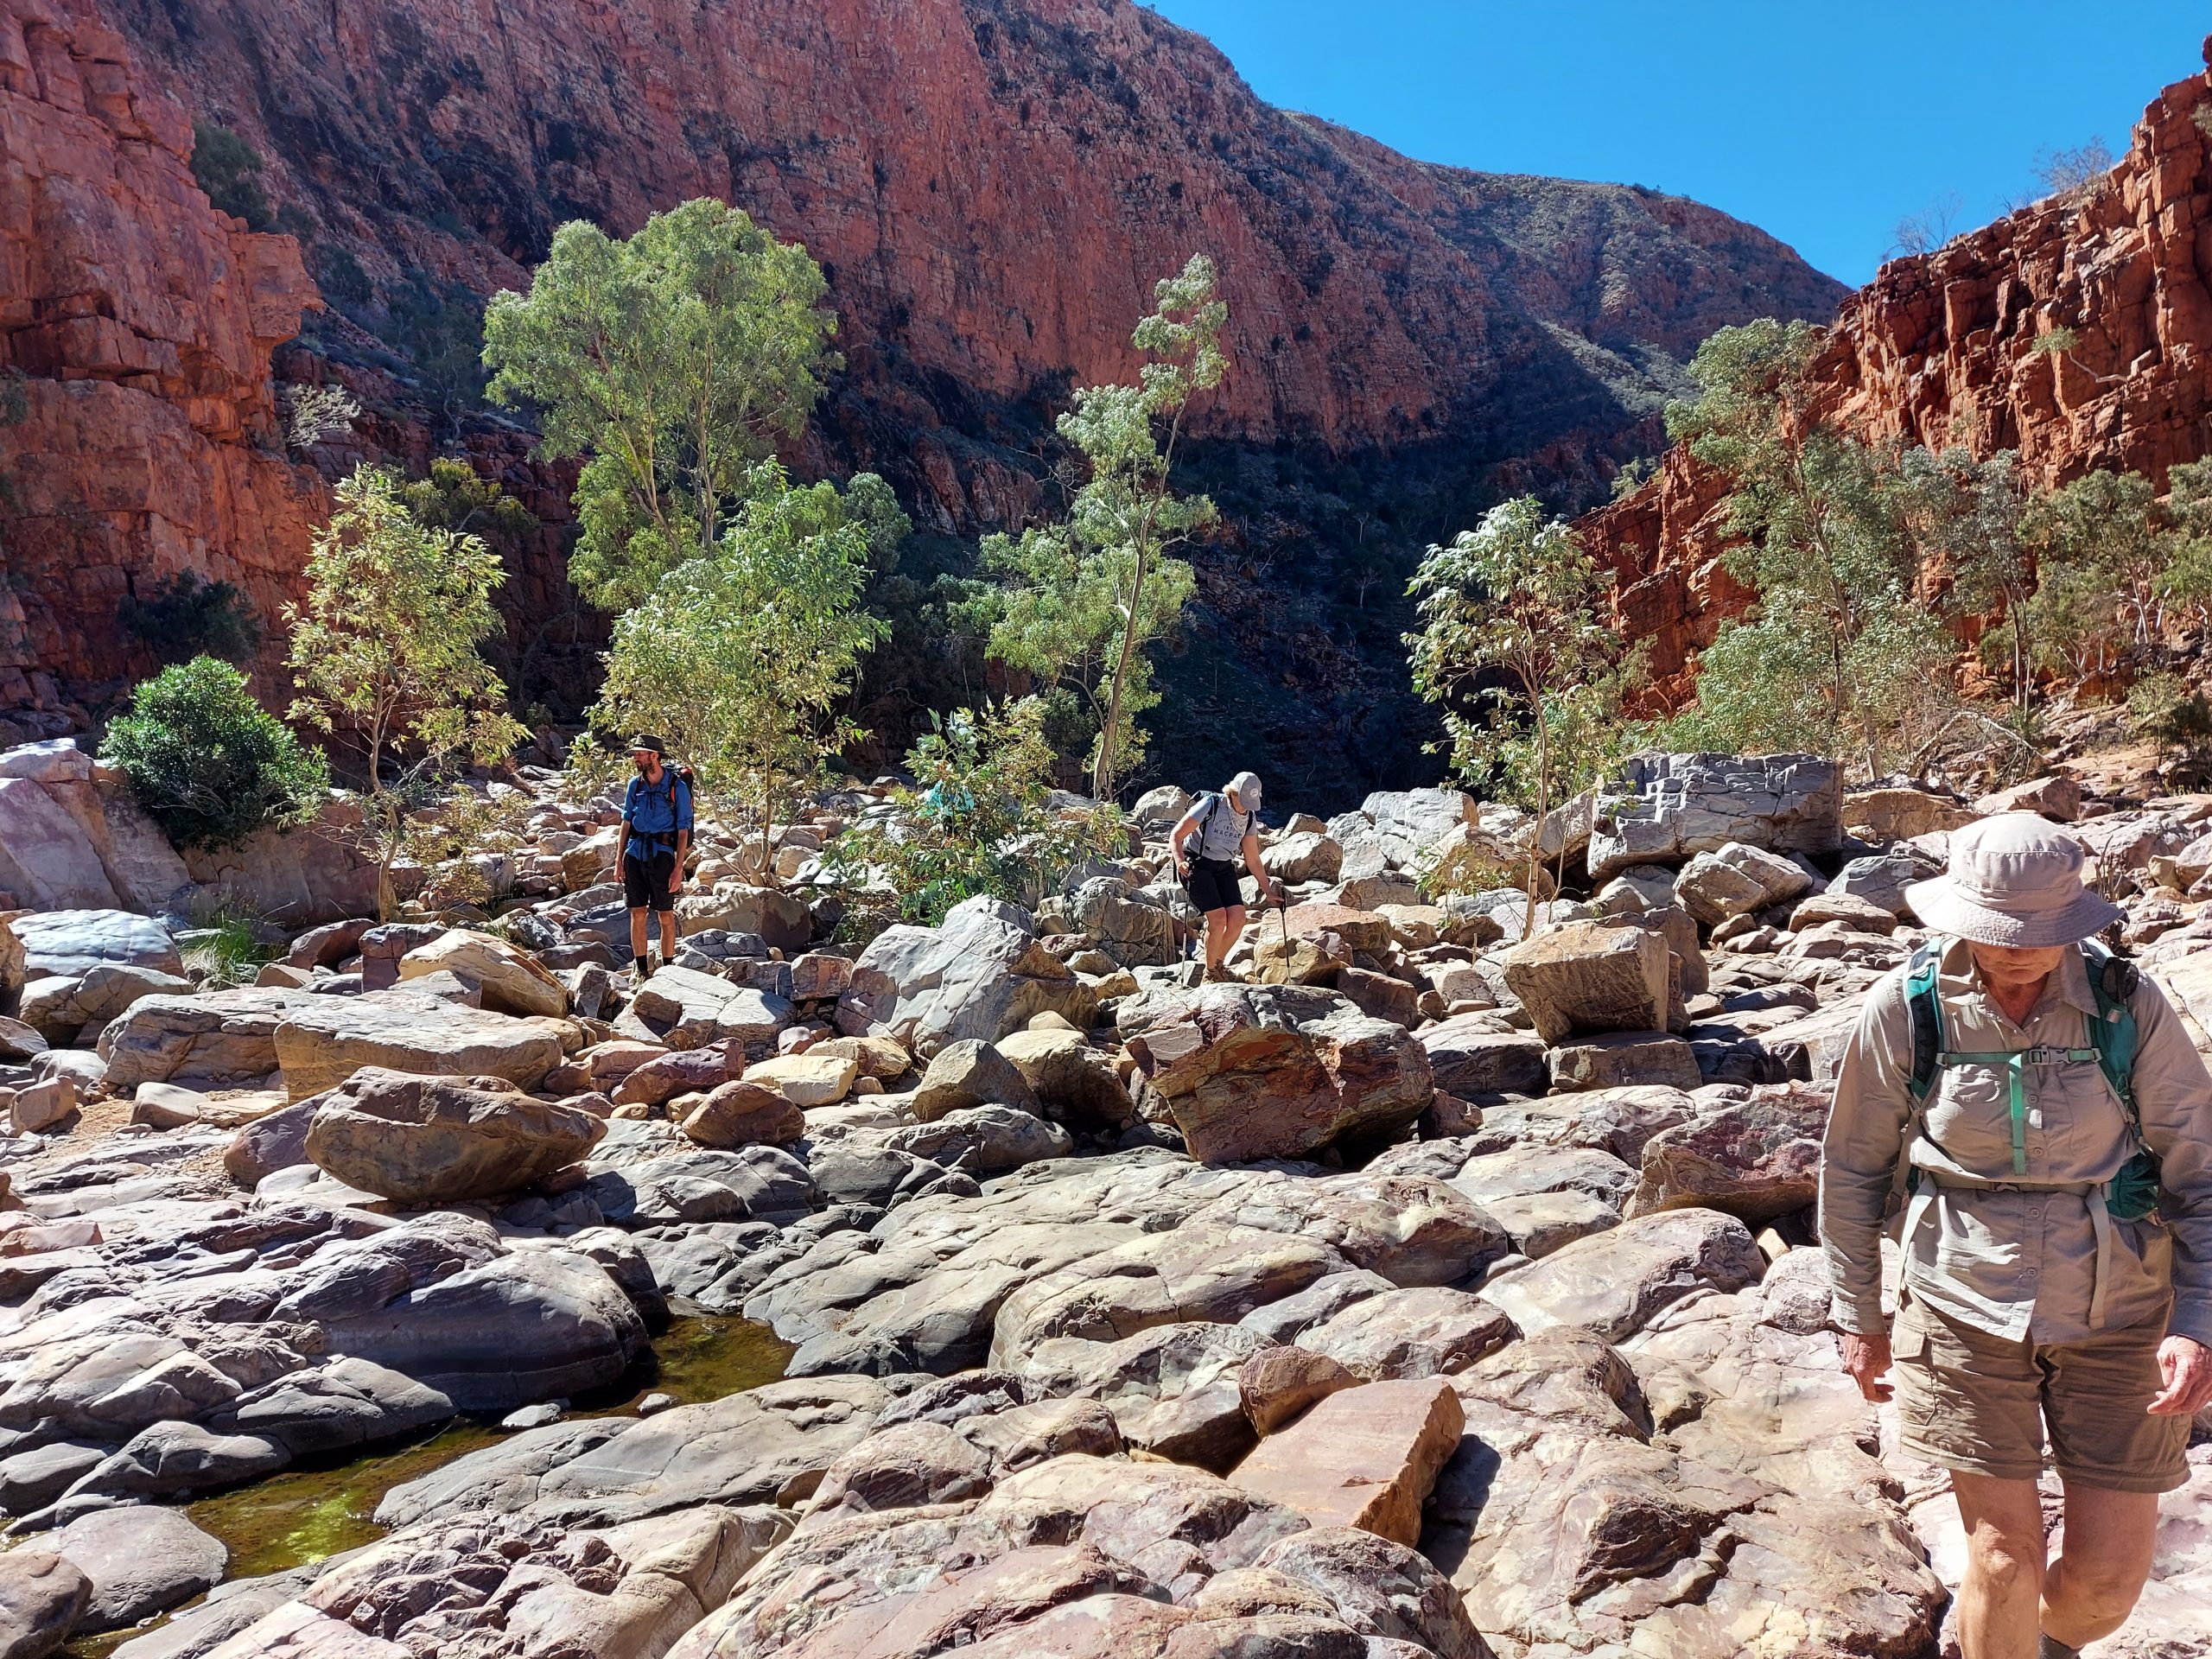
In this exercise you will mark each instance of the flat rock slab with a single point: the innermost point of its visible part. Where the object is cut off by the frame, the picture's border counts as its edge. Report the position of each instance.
(1364, 1457)
(1624, 1059)
(71, 942)
(325, 1040)
(1615, 1281)
(141, 1559)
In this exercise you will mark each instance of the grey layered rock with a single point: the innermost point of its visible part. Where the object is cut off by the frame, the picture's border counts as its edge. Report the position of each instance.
(971, 1072)
(323, 1040)
(1615, 1281)
(1667, 807)
(216, 1039)
(1736, 880)
(982, 976)
(74, 942)
(1476, 1055)
(1586, 976)
(42, 1596)
(141, 1560)
(425, 1142)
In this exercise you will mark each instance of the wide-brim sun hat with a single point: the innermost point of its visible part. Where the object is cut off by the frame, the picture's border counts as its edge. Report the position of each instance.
(646, 743)
(2015, 879)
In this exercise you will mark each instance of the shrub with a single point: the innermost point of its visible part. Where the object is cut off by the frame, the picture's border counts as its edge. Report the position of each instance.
(186, 616)
(229, 170)
(232, 951)
(210, 764)
(2173, 714)
(977, 821)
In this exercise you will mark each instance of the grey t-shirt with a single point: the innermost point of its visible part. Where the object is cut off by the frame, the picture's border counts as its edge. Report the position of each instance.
(1221, 828)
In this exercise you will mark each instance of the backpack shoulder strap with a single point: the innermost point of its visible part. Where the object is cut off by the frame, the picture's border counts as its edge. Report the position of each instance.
(1926, 1006)
(2112, 981)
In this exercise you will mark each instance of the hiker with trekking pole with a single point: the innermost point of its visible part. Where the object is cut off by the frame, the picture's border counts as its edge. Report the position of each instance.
(2029, 1108)
(1217, 830)
(656, 837)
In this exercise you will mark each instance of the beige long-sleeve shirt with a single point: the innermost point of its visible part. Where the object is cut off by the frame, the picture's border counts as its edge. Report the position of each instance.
(2017, 1255)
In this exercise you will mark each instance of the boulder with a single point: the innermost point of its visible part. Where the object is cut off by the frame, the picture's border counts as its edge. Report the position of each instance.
(1279, 1383)
(1893, 814)
(323, 1040)
(216, 1039)
(2055, 797)
(42, 1596)
(74, 942)
(302, 877)
(1623, 1059)
(971, 1072)
(806, 1080)
(1879, 882)
(1665, 808)
(1135, 932)
(1736, 880)
(268, 1144)
(685, 1007)
(1360, 930)
(1074, 1081)
(1615, 1281)
(512, 980)
(1410, 823)
(1364, 1457)
(1588, 977)
(1476, 1055)
(1161, 807)
(742, 1114)
(41, 1105)
(63, 1006)
(981, 975)
(141, 1560)
(1276, 1071)
(46, 858)
(982, 1140)
(1308, 857)
(1755, 1159)
(780, 917)
(1854, 914)
(1426, 1331)
(429, 1140)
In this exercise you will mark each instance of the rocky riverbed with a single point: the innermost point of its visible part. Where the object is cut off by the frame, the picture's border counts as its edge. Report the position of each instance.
(1441, 1287)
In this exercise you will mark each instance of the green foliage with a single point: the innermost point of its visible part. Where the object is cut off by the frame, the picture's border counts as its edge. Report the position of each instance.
(2165, 707)
(447, 830)
(456, 498)
(1842, 656)
(311, 414)
(674, 359)
(1633, 475)
(1516, 650)
(388, 648)
(439, 327)
(186, 616)
(2056, 341)
(233, 951)
(740, 657)
(2101, 545)
(975, 822)
(1088, 597)
(1966, 515)
(207, 762)
(229, 170)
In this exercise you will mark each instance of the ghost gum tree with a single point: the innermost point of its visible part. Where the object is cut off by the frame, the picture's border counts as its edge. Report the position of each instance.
(674, 360)
(388, 650)
(1088, 598)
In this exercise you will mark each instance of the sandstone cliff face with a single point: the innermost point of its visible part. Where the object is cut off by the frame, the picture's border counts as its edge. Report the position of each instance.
(992, 187)
(1939, 350)
(136, 323)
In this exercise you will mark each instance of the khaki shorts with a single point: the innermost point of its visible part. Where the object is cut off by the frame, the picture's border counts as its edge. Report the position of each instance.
(1979, 1403)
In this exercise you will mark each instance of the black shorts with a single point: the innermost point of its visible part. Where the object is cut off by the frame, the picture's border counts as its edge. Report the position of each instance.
(645, 881)
(1213, 885)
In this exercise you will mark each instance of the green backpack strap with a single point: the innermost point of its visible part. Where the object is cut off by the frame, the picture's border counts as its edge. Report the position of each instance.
(2133, 1192)
(1927, 1010)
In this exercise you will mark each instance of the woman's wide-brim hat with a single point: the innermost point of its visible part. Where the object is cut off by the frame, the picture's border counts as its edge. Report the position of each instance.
(2015, 879)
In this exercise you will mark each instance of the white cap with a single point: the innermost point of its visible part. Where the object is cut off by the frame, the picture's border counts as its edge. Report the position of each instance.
(1245, 787)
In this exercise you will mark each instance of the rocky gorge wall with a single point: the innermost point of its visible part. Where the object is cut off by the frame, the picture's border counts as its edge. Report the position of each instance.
(1941, 349)
(991, 186)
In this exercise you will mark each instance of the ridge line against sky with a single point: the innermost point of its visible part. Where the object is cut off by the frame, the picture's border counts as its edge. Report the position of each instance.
(1825, 137)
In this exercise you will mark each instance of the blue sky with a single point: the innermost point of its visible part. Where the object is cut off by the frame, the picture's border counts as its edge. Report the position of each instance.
(1823, 124)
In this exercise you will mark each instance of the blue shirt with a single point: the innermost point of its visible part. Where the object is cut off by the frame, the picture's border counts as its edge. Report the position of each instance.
(655, 809)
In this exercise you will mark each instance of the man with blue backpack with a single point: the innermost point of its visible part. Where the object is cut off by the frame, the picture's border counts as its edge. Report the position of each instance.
(2028, 1110)
(656, 837)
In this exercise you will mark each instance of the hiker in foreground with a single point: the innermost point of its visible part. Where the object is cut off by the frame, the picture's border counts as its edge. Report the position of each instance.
(1213, 835)
(656, 836)
(2036, 1107)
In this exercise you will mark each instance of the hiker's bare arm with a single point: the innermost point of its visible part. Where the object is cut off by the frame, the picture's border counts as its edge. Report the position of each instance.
(1270, 889)
(1179, 840)
(2175, 1097)
(683, 849)
(1866, 1359)
(1859, 1157)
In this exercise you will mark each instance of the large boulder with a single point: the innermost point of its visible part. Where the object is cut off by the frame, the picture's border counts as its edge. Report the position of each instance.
(141, 1560)
(1616, 1280)
(981, 975)
(1474, 1055)
(512, 980)
(1590, 976)
(970, 1073)
(74, 942)
(686, 1007)
(1074, 1081)
(1736, 880)
(1280, 1071)
(1664, 808)
(46, 858)
(62, 1005)
(42, 1596)
(1364, 1457)
(1135, 933)
(1410, 823)
(217, 1039)
(424, 1141)
(1307, 857)
(323, 1040)
(1756, 1159)
(780, 917)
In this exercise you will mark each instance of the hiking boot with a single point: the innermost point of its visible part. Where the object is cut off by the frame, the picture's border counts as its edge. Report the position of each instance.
(2052, 1648)
(1222, 976)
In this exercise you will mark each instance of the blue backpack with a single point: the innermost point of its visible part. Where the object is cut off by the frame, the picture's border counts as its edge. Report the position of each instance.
(2133, 1192)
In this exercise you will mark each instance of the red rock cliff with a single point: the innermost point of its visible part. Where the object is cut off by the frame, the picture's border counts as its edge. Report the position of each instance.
(136, 323)
(1939, 349)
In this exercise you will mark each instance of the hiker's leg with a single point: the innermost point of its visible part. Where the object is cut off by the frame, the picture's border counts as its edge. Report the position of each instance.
(1216, 938)
(668, 934)
(1232, 925)
(2102, 1563)
(638, 915)
(2000, 1596)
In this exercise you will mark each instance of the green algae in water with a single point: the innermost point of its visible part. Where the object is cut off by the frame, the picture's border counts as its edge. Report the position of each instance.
(307, 1515)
